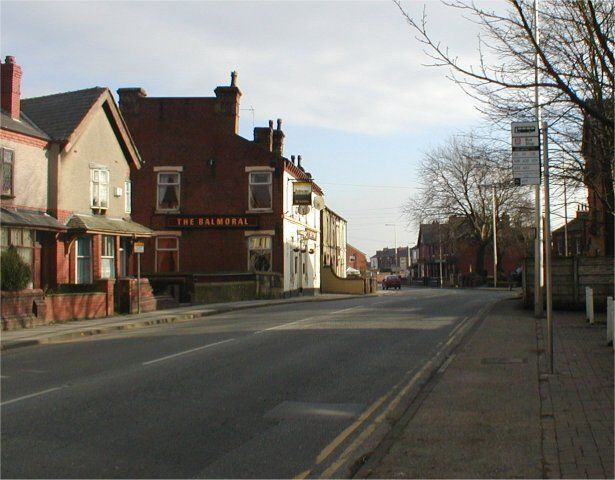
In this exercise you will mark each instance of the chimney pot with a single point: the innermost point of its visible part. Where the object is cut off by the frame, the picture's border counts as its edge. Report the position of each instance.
(299, 162)
(9, 59)
(234, 78)
(271, 124)
(279, 124)
(292, 159)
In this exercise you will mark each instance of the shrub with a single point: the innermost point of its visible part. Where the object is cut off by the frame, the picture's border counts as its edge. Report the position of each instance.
(15, 274)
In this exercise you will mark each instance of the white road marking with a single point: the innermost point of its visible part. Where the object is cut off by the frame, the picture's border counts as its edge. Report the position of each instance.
(185, 352)
(277, 327)
(25, 397)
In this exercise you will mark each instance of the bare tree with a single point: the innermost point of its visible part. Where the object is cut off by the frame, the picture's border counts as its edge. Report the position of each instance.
(574, 61)
(455, 181)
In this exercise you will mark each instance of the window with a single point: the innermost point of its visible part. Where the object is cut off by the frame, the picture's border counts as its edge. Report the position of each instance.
(168, 191)
(128, 196)
(84, 260)
(167, 253)
(22, 240)
(107, 257)
(260, 191)
(99, 188)
(259, 253)
(8, 161)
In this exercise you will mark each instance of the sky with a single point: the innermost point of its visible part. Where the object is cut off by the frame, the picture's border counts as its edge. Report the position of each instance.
(348, 78)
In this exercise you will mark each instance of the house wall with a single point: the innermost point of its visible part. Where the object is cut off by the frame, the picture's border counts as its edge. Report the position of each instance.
(97, 145)
(295, 226)
(30, 172)
(333, 231)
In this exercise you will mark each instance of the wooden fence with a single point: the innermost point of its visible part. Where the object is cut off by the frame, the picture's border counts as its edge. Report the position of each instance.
(570, 276)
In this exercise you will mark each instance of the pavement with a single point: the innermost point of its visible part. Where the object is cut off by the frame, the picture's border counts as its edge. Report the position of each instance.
(492, 410)
(83, 328)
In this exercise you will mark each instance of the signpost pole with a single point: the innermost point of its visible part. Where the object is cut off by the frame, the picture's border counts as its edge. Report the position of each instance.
(547, 238)
(495, 240)
(139, 283)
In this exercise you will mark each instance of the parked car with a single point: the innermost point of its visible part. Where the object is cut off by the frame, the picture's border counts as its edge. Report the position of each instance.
(391, 281)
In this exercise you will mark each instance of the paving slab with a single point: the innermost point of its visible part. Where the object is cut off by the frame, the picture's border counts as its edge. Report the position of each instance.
(496, 412)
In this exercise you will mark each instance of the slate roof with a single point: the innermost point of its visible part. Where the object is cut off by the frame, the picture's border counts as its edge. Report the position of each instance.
(23, 125)
(29, 219)
(91, 223)
(60, 114)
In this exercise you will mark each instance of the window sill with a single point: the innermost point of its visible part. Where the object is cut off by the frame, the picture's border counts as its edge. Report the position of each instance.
(7, 197)
(264, 210)
(166, 212)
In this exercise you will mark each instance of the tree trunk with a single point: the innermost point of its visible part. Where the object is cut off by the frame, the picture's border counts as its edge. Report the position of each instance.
(480, 259)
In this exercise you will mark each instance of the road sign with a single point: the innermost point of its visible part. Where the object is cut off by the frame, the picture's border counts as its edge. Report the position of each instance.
(139, 247)
(525, 153)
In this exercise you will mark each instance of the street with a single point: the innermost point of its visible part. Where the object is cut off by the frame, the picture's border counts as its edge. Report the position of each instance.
(273, 392)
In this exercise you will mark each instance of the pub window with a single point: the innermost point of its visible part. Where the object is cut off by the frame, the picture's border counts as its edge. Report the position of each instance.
(168, 191)
(259, 253)
(8, 162)
(127, 196)
(107, 257)
(167, 254)
(260, 191)
(99, 188)
(83, 267)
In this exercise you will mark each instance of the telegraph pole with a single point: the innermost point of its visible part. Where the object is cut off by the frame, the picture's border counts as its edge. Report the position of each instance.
(538, 306)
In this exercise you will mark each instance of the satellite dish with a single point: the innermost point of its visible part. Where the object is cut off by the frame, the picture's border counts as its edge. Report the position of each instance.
(318, 202)
(303, 209)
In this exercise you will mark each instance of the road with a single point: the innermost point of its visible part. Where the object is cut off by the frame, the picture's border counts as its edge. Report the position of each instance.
(274, 392)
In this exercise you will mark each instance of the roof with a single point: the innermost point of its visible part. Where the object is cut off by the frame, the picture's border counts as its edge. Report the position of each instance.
(60, 114)
(101, 224)
(29, 219)
(576, 224)
(23, 125)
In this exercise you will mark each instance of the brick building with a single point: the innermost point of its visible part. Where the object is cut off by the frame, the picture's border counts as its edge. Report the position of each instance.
(356, 259)
(220, 204)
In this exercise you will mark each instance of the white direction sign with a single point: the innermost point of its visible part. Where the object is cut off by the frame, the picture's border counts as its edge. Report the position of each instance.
(525, 153)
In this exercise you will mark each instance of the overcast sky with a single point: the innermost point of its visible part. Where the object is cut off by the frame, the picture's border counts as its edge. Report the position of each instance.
(347, 78)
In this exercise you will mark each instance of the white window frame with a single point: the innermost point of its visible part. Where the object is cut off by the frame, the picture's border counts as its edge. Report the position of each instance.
(96, 186)
(158, 185)
(270, 183)
(128, 196)
(157, 249)
(107, 258)
(270, 249)
(77, 257)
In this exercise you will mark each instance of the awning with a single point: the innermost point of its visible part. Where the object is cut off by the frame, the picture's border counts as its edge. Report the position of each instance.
(100, 224)
(29, 219)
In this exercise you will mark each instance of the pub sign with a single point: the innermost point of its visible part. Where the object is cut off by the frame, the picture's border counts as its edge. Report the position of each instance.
(302, 193)
(212, 221)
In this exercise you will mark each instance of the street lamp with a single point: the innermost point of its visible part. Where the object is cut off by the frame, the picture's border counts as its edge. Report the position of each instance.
(495, 232)
(394, 225)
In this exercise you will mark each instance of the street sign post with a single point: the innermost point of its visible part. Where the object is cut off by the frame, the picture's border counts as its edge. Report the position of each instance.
(525, 153)
(138, 248)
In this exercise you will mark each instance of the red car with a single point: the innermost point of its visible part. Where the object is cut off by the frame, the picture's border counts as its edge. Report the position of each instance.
(391, 281)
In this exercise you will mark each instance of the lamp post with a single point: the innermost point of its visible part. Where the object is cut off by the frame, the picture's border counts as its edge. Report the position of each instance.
(494, 216)
(394, 225)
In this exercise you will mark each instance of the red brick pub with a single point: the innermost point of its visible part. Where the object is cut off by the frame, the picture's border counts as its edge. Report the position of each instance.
(213, 198)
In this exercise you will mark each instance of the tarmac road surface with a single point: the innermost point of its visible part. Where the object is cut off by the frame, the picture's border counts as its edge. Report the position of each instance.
(276, 392)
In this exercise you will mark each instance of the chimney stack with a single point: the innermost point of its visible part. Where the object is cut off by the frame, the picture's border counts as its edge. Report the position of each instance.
(11, 87)
(278, 139)
(264, 136)
(227, 104)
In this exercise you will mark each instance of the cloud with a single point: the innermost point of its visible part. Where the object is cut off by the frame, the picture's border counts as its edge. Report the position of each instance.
(350, 66)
